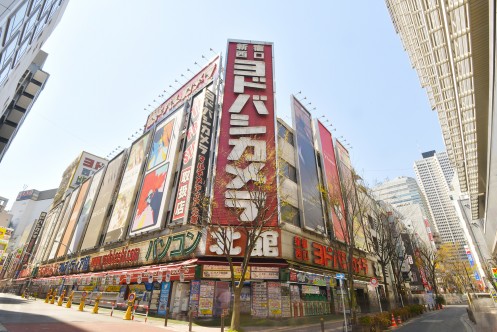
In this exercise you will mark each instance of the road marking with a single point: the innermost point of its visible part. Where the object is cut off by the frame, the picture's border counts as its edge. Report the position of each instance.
(432, 321)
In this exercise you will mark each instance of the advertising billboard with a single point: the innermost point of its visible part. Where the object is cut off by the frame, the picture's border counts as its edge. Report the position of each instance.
(155, 192)
(85, 211)
(347, 181)
(47, 230)
(246, 136)
(88, 165)
(332, 182)
(35, 232)
(192, 178)
(64, 243)
(103, 202)
(62, 224)
(311, 211)
(5, 233)
(127, 190)
(53, 232)
(208, 74)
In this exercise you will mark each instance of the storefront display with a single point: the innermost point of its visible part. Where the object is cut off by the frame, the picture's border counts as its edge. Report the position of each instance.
(259, 299)
(194, 297)
(285, 300)
(274, 299)
(206, 299)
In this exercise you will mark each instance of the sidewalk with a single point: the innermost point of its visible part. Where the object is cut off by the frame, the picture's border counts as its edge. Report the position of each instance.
(485, 312)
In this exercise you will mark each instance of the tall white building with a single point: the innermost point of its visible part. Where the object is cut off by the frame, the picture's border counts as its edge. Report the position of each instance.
(405, 196)
(433, 172)
(24, 28)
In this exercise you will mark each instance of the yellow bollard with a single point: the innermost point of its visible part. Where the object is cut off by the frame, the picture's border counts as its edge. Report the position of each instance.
(69, 300)
(97, 301)
(52, 300)
(82, 301)
(61, 298)
(48, 295)
(131, 301)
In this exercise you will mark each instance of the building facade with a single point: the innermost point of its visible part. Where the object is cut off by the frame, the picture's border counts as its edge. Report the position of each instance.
(24, 28)
(139, 223)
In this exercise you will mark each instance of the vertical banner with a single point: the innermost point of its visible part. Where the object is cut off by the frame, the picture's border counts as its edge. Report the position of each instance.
(247, 145)
(35, 232)
(332, 182)
(192, 179)
(307, 169)
(348, 182)
(47, 230)
(85, 211)
(103, 202)
(163, 298)
(155, 192)
(64, 243)
(125, 198)
(63, 223)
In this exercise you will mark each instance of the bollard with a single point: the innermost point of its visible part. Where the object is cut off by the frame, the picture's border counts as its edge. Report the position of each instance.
(190, 319)
(165, 318)
(61, 298)
(48, 295)
(97, 301)
(112, 310)
(222, 321)
(69, 300)
(146, 315)
(133, 314)
(52, 300)
(82, 302)
(322, 324)
(131, 301)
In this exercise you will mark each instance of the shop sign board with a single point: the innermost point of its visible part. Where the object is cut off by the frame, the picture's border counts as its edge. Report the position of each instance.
(311, 252)
(267, 245)
(115, 258)
(174, 246)
(223, 272)
(264, 272)
(246, 135)
(308, 278)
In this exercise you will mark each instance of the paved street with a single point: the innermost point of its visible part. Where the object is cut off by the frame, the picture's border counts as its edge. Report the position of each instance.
(20, 315)
(452, 318)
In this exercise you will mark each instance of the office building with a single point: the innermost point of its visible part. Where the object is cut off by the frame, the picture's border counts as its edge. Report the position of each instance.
(24, 28)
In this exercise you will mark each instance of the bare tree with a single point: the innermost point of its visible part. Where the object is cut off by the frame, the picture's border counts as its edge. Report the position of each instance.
(427, 259)
(248, 216)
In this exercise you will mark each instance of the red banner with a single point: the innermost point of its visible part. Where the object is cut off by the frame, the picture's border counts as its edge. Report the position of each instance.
(247, 136)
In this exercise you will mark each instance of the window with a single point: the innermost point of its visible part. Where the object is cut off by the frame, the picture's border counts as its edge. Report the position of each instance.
(30, 23)
(4, 73)
(290, 214)
(288, 171)
(8, 51)
(16, 20)
(285, 134)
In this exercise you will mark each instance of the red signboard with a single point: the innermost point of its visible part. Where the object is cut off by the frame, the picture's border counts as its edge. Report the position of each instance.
(247, 134)
(115, 258)
(332, 180)
(195, 84)
(267, 245)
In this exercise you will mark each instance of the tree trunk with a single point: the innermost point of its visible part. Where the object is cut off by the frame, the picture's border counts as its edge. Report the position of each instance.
(352, 299)
(385, 282)
(235, 316)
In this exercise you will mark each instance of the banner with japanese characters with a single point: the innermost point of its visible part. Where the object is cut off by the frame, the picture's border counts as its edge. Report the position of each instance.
(155, 193)
(127, 191)
(193, 175)
(246, 147)
(103, 202)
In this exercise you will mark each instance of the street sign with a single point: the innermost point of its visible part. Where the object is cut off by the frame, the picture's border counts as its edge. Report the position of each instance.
(494, 272)
(84, 294)
(374, 282)
(131, 297)
(340, 276)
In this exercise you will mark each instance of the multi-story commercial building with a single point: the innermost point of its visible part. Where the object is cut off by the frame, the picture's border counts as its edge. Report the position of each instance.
(24, 28)
(26, 210)
(451, 44)
(432, 173)
(404, 195)
(140, 223)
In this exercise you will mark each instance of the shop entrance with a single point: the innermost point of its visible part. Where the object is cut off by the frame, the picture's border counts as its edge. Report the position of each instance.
(362, 299)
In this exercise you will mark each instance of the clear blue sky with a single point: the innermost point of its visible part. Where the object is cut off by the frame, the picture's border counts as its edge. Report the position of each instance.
(110, 59)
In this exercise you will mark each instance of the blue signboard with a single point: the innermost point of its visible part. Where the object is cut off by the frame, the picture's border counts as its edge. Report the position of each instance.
(470, 259)
(163, 298)
(340, 276)
(477, 276)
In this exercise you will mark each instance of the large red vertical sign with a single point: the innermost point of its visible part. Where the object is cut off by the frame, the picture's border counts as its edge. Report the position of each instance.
(332, 180)
(247, 133)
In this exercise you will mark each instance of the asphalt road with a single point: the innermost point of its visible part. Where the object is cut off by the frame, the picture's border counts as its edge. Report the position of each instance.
(451, 319)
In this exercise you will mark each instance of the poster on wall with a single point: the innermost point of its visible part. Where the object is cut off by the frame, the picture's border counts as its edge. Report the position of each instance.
(285, 300)
(274, 299)
(163, 298)
(155, 192)
(194, 297)
(195, 161)
(103, 201)
(305, 156)
(127, 190)
(206, 299)
(85, 211)
(259, 299)
(47, 231)
(73, 218)
(222, 297)
(332, 181)
(246, 133)
(63, 223)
